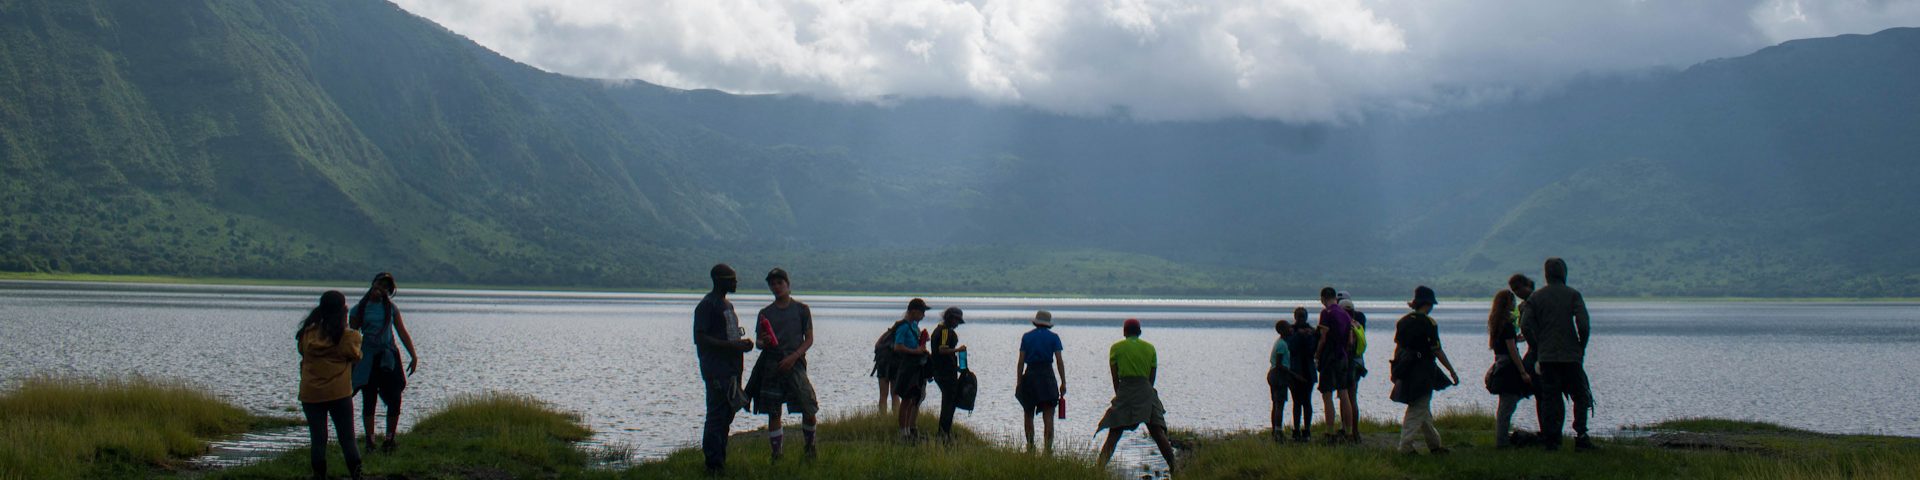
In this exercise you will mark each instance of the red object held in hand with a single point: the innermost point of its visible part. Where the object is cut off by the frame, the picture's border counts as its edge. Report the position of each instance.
(1063, 407)
(772, 340)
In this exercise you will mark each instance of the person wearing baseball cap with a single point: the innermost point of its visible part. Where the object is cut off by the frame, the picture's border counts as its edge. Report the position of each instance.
(784, 333)
(1416, 340)
(1035, 385)
(1134, 367)
(909, 378)
(945, 366)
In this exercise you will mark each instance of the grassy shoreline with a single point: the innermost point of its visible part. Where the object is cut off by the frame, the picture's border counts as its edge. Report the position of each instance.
(258, 282)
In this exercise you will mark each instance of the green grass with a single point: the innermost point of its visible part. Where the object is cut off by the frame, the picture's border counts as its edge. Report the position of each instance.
(866, 446)
(1762, 451)
(53, 427)
(477, 436)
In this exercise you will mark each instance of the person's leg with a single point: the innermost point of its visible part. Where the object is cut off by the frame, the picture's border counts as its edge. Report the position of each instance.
(368, 395)
(713, 434)
(1349, 416)
(1159, 433)
(1407, 421)
(1581, 394)
(809, 430)
(1113, 441)
(342, 412)
(1426, 426)
(317, 437)
(886, 393)
(1303, 411)
(1550, 406)
(391, 397)
(1326, 405)
(1503, 419)
(1279, 415)
(949, 401)
(1047, 418)
(775, 431)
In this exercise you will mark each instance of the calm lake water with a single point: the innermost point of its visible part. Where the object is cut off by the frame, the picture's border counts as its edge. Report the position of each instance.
(625, 362)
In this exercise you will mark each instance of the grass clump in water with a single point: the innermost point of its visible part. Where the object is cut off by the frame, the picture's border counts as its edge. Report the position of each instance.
(56, 427)
(492, 435)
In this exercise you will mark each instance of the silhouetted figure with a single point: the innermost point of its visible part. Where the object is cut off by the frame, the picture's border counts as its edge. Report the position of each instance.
(1508, 377)
(1416, 340)
(1555, 324)
(379, 374)
(784, 333)
(328, 350)
(909, 377)
(1335, 354)
(1135, 368)
(1034, 383)
(1302, 343)
(719, 343)
(946, 366)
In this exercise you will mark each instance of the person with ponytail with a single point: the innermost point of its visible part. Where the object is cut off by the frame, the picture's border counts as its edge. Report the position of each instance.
(328, 351)
(379, 374)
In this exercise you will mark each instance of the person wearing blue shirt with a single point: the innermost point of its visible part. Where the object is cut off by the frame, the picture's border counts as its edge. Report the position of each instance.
(910, 381)
(1035, 385)
(378, 374)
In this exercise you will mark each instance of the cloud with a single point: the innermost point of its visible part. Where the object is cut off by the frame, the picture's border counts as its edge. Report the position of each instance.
(1294, 60)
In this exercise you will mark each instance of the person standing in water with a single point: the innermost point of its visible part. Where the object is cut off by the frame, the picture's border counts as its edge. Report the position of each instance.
(784, 333)
(719, 343)
(378, 374)
(1135, 368)
(1035, 385)
(328, 350)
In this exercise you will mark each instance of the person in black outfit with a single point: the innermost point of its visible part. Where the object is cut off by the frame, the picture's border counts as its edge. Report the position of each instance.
(946, 366)
(1555, 323)
(720, 344)
(1304, 339)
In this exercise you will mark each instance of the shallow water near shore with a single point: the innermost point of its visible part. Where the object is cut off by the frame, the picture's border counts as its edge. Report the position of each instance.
(625, 361)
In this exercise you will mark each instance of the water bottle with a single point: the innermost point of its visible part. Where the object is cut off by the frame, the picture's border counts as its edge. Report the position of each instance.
(1063, 407)
(962, 361)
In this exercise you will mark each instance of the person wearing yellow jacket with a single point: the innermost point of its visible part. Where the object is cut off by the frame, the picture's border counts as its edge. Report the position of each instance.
(328, 350)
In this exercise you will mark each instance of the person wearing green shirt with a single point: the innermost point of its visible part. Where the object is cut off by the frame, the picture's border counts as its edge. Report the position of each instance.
(1134, 368)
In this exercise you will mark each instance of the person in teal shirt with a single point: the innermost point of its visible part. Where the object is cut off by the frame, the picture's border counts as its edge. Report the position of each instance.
(1134, 367)
(1280, 375)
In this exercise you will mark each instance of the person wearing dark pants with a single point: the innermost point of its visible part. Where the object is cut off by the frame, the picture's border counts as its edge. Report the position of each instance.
(328, 350)
(378, 374)
(1556, 326)
(946, 367)
(720, 345)
(1306, 371)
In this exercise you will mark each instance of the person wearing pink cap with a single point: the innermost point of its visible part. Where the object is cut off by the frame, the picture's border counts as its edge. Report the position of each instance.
(1134, 367)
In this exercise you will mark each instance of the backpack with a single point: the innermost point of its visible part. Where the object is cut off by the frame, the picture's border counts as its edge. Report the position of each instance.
(1359, 339)
(883, 347)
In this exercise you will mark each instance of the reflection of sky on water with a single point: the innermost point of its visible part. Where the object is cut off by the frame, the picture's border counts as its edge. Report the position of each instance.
(625, 361)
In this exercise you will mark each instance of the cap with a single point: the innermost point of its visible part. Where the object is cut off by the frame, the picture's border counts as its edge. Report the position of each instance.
(1346, 304)
(1342, 296)
(1043, 318)
(779, 274)
(1424, 296)
(953, 315)
(918, 304)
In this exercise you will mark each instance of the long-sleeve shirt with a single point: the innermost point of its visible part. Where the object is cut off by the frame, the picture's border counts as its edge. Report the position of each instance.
(1554, 321)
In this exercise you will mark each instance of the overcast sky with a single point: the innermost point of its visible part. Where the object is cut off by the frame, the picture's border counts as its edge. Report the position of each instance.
(1295, 60)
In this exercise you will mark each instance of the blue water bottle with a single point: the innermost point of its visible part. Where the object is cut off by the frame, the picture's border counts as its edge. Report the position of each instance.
(963, 360)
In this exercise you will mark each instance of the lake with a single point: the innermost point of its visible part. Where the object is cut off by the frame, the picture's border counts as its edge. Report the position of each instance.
(625, 362)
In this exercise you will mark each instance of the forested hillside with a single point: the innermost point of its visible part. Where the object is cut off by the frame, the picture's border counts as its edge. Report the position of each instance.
(331, 139)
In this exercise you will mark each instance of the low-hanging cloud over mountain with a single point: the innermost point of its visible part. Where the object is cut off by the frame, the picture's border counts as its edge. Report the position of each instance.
(1293, 60)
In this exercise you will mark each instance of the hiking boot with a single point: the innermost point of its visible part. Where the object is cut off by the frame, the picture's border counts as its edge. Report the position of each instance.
(387, 446)
(1584, 443)
(812, 453)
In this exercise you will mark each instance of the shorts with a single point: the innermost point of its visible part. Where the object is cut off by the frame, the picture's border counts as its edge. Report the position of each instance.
(792, 390)
(1135, 401)
(1039, 391)
(1279, 382)
(909, 384)
(1336, 375)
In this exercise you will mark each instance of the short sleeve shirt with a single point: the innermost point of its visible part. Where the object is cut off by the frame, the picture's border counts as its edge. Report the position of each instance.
(1338, 335)
(1133, 357)
(944, 337)
(1040, 344)
(1280, 358)
(1497, 339)
(789, 326)
(714, 317)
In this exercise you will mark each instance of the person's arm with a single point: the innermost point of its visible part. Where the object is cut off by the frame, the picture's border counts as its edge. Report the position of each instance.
(1513, 355)
(1321, 345)
(1060, 364)
(702, 323)
(406, 339)
(1019, 370)
(1113, 372)
(940, 344)
(806, 343)
(1153, 375)
(1580, 320)
(1442, 354)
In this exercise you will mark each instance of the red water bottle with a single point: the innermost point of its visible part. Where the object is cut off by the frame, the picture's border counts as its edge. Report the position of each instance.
(772, 341)
(1063, 407)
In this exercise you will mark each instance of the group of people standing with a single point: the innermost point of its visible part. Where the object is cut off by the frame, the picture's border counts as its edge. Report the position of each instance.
(1551, 321)
(344, 351)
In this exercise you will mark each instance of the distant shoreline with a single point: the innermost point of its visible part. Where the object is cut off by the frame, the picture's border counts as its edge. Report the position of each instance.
(261, 282)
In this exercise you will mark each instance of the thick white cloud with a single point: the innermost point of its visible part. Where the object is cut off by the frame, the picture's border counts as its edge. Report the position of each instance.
(1296, 60)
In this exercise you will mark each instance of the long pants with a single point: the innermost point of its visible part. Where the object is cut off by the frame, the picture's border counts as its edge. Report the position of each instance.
(1419, 423)
(1302, 402)
(1503, 418)
(341, 411)
(720, 411)
(949, 398)
(1557, 380)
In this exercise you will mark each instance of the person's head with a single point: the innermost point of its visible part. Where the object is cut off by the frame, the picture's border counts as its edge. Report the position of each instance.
(1131, 328)
(1282, 327)
(1043, 319)
(330, 316)
(953, 317)
(916, 310)
(1556, 271)
(380, 290)
(1521, 286)
(1299, 316)
(1502, 310)
(1423, 299)
(1327, 296)
(724, 279)
(778, 283)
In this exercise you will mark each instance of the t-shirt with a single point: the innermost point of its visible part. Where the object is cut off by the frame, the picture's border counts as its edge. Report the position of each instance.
(1280, 358)
(944, 337)
(1133, 358)
(1339, 332)
(907, 335)
(790, 326)
(714, 317)
(1040, 344)
(1504, 331)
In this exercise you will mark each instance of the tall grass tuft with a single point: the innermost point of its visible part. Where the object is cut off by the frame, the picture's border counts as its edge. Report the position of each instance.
(58, 427)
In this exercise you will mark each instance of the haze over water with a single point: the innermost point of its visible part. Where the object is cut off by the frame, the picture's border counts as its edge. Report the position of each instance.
(625, 361)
